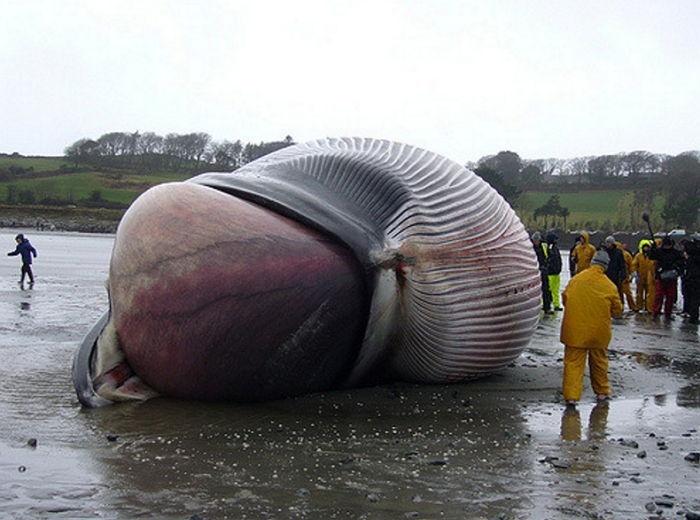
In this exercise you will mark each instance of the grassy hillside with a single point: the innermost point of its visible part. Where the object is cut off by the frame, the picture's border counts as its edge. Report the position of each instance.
(38, 164)
(55, 178)
(592, 209)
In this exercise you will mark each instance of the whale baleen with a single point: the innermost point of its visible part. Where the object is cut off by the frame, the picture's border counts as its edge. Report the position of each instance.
(329, 264)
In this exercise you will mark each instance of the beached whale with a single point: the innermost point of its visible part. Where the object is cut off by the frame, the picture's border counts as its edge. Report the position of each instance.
(329, 264)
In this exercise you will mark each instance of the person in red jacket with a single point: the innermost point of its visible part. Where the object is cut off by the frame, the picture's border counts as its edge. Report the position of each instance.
(669, 262)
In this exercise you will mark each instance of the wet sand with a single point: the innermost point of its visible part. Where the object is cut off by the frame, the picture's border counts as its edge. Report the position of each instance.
(502, 447)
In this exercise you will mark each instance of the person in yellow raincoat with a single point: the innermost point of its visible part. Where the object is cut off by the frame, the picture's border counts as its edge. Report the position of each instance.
(590, 300)
(645, 268)
(625, 290)
(583, 252)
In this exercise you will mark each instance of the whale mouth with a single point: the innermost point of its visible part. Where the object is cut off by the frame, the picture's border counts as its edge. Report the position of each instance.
(101, 373)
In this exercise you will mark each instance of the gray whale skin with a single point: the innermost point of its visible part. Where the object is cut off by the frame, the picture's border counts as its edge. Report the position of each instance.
(330, 264)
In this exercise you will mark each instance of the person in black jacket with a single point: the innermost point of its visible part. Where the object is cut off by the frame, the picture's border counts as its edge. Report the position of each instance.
(616, 271)
(554, 269)
(683, 245)
(669, 262)
(692, 280)
(541, 252)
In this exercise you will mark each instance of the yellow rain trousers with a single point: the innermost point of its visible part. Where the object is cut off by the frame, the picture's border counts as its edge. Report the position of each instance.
(554, 285)
(625, 290)
(590, 300)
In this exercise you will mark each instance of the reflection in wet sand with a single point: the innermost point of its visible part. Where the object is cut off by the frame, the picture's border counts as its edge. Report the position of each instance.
(399, 450)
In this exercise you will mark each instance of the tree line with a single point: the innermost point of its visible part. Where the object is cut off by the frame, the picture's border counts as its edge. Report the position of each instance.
(646, 173)
(676, 177)
(622, 168)
(149, 152)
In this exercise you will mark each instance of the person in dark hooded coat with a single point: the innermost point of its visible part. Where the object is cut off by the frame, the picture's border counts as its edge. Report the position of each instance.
(24, 248)
(692, 280)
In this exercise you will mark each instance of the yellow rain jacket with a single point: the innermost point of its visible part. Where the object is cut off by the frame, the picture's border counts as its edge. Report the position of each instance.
(628, 261)
(645, 266)
(590, 300)
(583, 253)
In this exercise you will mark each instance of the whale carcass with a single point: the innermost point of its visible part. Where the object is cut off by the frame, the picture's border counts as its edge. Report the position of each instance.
(329, 264)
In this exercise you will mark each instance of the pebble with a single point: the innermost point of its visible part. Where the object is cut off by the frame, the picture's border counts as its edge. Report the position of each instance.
(22, 469)
(642, 454)
(372, 498)
(112, 438)
(629, 444)
(650, 506)
(690, 515)
(303, 492)
(637, 480)
(32, 442)
(693, 456)
(664, 503)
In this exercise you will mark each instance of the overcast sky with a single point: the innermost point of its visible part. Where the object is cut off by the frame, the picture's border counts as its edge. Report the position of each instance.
(462, 78)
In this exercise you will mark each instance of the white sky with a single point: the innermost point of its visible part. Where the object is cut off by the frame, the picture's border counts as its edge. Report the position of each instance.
(462, 78)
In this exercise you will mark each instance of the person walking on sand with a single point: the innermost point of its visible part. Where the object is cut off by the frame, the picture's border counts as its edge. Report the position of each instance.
(24, 248)
(590, 301)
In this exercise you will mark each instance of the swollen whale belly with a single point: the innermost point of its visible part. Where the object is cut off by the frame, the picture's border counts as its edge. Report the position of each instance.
(214, 297)
(323, 265)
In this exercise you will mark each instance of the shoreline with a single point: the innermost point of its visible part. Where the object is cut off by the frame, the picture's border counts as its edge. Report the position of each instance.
(83, 220)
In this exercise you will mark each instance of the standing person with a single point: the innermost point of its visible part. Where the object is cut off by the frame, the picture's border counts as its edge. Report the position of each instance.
(572, 260)
(541, 252)
(553, 269)
(645, 268)
(692, 280)
(625, 290)
(669, 262)
(24, 248)
(590, 301)
(683, 244)
(583, 252)
(616, 270)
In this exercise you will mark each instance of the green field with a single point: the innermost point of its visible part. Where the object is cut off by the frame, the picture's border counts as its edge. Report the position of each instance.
(592, 209)
(114, 187)
(39, 164)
